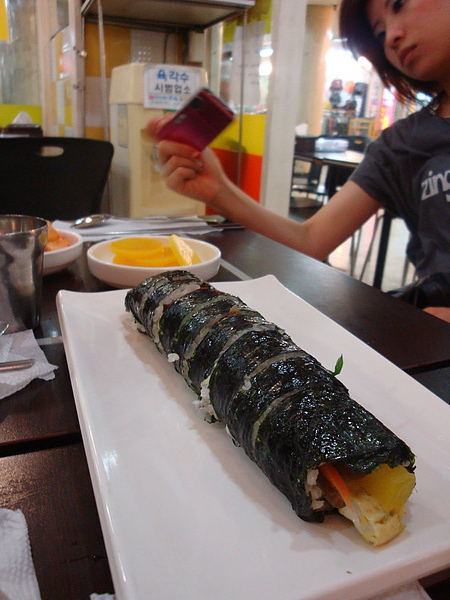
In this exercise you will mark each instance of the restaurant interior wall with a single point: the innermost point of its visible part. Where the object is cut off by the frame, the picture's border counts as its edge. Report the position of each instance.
(124, 45)
(276, 159)
(61, 99)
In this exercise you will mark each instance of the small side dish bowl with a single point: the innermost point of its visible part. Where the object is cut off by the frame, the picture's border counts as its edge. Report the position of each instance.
(57, 260)
(100, 263)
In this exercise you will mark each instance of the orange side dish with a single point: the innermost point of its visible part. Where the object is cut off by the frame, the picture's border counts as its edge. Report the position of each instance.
(55, 241)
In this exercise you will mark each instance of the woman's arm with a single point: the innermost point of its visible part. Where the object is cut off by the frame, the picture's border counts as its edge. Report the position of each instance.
(442, 312)
(200, 176)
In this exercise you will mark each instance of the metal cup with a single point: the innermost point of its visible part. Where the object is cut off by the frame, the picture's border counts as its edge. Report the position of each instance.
(22, 244)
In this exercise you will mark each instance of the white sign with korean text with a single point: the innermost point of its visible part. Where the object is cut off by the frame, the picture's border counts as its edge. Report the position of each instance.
(168, 86)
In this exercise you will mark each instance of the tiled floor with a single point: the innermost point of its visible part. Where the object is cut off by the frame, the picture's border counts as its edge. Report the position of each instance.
(395, 260)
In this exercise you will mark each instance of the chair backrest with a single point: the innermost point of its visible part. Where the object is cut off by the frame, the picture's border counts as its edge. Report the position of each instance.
(52, 177)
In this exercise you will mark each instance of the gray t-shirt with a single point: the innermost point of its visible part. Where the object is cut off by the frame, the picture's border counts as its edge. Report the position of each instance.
(407, 169)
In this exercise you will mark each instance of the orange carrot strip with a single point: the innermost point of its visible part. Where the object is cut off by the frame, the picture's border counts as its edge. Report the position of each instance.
(337, 481)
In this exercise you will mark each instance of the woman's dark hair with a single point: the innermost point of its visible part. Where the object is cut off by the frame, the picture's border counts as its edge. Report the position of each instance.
(360, 39)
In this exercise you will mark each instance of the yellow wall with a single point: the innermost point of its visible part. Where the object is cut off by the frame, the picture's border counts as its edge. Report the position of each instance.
(226, 146)
(4, 26)
(117, 48)
(8, 112)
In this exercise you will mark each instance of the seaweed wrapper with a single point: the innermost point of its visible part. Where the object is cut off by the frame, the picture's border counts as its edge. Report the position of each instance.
(288, 412)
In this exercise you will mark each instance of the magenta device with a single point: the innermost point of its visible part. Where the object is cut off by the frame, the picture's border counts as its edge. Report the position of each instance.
(199, 121)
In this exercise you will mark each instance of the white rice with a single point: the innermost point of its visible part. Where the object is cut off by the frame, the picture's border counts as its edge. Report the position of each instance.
(183, 290)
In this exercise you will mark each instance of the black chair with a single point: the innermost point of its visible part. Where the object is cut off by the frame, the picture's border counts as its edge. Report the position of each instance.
(52, 177)
(307, 182)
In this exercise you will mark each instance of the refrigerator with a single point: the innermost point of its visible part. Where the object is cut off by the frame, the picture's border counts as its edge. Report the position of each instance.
(137, 189)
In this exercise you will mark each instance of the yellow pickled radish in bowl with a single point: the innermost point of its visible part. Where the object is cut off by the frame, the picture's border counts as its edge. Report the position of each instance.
(184, 254)
(151, 252)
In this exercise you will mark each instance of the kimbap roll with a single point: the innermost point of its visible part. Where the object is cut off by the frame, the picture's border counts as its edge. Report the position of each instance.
(291, 416)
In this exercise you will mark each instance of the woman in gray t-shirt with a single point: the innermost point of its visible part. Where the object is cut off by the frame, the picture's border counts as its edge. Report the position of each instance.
(406, 170)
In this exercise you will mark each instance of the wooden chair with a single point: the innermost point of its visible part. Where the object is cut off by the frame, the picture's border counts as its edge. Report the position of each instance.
(52, 177)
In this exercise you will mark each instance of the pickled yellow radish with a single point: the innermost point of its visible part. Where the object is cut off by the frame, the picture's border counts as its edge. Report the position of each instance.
(136, 247)
(151, 252)
(184, 254)
(163, 258)
(390, 486)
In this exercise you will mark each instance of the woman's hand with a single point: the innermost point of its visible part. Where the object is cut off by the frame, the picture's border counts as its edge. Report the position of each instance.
(187, 171)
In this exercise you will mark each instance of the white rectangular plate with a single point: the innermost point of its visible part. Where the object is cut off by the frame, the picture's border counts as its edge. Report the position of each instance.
(187, 516)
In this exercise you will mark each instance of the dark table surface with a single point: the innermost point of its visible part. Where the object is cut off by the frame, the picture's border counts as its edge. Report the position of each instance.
(42, 461)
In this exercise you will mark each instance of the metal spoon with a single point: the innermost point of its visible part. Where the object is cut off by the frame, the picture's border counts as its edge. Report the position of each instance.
(103, 218)
(91, 221)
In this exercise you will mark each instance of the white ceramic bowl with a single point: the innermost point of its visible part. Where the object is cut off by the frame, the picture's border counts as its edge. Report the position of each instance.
(100, 264)
(57, 260)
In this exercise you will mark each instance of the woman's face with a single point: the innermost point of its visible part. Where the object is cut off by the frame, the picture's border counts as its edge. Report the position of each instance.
(415, 36)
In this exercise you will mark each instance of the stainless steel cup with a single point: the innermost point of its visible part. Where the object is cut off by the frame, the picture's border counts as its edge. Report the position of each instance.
(22, 244)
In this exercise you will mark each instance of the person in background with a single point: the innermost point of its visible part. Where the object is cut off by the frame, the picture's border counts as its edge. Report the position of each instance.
(406, 170)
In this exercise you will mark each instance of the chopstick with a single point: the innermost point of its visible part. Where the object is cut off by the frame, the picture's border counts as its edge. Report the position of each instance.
(16, 365)
(182, 230)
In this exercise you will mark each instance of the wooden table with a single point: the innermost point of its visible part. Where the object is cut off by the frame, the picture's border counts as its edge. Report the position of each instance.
(43, 469)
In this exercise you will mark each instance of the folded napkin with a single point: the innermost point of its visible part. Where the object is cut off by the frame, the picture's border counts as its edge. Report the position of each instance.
(157, 225)
(17, 575)
(18, 346)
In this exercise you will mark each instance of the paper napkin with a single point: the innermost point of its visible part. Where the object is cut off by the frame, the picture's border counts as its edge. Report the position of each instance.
(17, 575)
(18, 346)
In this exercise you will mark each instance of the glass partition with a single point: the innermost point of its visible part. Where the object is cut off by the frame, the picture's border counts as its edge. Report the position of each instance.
(19, 74)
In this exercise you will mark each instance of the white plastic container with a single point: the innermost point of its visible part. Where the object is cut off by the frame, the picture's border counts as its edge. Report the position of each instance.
(330, 145)
(137, 189)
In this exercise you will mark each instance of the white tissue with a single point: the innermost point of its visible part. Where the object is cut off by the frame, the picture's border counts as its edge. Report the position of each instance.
(17, 575)
(18, 346)
(23, 118)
